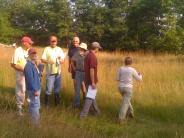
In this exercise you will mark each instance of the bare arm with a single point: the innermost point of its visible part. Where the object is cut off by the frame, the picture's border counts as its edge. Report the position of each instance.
(69, 65)
(47, 61)
(73, 65)
(92, 76)
(17, 67)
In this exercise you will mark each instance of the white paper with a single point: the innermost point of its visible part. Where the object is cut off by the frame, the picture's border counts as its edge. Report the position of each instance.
(91, 93)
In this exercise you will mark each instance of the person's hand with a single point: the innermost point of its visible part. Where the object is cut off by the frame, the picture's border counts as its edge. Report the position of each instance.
(62, 61)
(93, 86)
(36, 94)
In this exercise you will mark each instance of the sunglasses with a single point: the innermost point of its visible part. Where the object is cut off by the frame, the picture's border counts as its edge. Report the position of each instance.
(53, 41)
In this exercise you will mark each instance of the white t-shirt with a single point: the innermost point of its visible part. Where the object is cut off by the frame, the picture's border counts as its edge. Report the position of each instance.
(126, 75)
(53, 54)
(20, 57)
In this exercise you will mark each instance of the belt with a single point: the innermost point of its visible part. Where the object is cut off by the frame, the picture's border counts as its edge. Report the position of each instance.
(80, 70)
(53, 74)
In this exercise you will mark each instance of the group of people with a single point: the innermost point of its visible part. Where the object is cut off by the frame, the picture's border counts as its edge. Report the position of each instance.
(83, 66)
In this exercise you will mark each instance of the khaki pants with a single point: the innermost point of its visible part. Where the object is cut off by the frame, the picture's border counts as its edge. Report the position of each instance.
(126, 106)
(89, 103)
(20, 89)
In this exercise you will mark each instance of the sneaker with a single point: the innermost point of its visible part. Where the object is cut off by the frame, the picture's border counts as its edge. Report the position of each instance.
(130, 114)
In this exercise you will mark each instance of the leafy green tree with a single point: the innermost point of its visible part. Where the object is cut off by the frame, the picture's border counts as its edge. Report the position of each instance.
(8, 33)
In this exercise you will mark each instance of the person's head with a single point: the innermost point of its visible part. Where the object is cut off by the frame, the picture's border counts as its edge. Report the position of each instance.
(32, 54)
(26, 42)
(82, 48)
(53, 41)
(95, 46)
(76, 41)
(128, 61)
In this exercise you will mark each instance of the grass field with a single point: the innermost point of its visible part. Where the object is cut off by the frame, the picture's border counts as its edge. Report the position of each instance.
(158, 101)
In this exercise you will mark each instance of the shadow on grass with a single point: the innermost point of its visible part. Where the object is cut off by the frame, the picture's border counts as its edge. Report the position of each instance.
(66, 98)
(173, 114)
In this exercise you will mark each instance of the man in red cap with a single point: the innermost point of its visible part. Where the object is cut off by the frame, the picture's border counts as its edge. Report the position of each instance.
(33, 86)
(18, 62)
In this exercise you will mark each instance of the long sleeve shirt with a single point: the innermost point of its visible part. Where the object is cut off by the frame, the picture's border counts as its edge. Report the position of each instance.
(32, 77)
(126, 75)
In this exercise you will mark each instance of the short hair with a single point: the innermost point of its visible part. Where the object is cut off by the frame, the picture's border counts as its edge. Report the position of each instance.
(76, 37)
(53, 36)
(128, 61)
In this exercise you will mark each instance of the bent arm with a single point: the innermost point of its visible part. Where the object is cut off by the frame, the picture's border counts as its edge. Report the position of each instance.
(47, 61)
(17, 67)
(137, 76)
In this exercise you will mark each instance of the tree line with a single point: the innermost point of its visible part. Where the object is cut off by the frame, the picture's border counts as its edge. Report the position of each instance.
(156, 25)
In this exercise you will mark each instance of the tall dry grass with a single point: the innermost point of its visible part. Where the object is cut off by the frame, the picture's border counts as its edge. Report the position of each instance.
(157, 100)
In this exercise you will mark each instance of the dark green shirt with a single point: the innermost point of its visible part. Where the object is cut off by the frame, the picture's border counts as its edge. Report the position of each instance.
(78, 61)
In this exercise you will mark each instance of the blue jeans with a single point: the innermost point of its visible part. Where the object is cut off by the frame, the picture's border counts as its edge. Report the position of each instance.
(34, 107)
(79, 78)
(53, 81)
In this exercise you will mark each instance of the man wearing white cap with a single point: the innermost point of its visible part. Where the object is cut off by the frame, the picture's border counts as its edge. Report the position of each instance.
(78, 66)
(18, 63)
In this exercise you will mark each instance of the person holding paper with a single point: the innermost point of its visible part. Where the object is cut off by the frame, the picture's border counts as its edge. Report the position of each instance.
(125, 78)
(91, 79)
(53, 56)
(78, 66)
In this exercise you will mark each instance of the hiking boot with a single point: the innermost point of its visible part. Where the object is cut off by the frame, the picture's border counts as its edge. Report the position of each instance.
(57, 100)
(46, 101)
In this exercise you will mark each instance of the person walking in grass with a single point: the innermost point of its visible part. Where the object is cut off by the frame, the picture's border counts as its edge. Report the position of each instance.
(18, 63)
(73, 49)
(91, 79)
(53, 56)
(33, 86)
(125, 77)
(78, 66)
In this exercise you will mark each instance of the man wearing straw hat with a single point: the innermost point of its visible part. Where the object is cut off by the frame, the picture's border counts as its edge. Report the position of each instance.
(78, 66)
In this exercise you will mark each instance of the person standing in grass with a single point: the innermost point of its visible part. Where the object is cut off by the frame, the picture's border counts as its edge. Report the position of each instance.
(73, 49)
(125, 77)
(33, 86)
(78, 66)
(18, 63)
(91, 79)
(53, 57)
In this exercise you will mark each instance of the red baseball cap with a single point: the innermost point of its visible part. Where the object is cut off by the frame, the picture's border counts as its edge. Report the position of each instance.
(32, 51)
(27, 39)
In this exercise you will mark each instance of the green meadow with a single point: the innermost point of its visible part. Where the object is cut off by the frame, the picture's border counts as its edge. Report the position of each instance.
(158, 101)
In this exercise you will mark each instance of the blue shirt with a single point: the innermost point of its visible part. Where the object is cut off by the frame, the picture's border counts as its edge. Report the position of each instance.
(32, 77)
